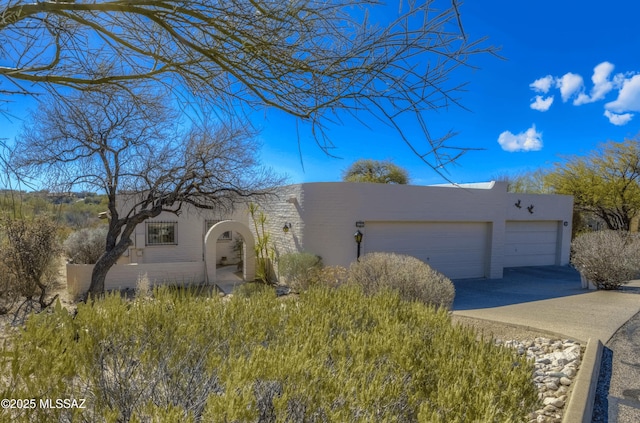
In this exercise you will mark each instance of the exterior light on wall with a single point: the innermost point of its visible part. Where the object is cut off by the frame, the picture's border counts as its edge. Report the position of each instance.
(286, 227)
(358, 237)
(566, 223)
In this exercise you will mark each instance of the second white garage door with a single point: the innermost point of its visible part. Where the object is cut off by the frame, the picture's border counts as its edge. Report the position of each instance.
(459, 250)
(532, 243)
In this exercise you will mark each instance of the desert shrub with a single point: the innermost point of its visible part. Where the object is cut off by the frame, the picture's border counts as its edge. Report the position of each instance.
(9, 293)
(413, 279)
(249, 289)
(299, 270)
(29, 254)
(332, 276)
(609, 259)
(86, 245)
(331, 355)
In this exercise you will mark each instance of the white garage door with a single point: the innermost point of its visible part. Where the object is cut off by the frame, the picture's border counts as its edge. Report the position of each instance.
(459, 250)
(531, 243)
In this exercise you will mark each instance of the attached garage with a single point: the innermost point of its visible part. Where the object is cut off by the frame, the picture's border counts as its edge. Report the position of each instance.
(457, 249)
(531, 243)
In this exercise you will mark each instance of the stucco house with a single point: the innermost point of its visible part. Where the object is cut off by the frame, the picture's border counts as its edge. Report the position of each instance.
(464, 231)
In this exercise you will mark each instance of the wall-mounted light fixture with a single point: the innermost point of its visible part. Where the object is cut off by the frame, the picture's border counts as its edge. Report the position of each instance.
(359, 224)
(530, 208)
(518, 204)
(566, 223)
(358, 237)
(286, 227)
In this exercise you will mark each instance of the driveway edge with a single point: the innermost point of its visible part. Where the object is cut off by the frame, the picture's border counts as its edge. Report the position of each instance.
(580, 406)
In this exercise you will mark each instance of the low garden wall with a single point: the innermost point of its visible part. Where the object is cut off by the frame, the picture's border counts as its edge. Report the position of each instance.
(125, 276)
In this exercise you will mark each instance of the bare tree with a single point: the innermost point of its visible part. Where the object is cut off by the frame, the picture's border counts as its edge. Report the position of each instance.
(312, 59)
(128, 145)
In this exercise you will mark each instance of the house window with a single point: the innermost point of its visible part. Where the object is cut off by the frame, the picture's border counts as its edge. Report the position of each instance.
(226, 236)
(162, 233)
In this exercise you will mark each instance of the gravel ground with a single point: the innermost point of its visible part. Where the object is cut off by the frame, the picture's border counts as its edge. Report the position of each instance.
(618, 391)
(500, 330)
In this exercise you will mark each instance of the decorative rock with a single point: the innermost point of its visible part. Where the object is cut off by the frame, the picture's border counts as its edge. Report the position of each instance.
(553, 386)
(556, 365)
(556, 402)
(565, 381)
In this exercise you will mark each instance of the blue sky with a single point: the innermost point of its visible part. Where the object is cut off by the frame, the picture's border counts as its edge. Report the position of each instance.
(527, 111)
(569, 80)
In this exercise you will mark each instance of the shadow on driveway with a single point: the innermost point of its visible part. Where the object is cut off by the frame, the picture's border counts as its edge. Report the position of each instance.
(519, 285)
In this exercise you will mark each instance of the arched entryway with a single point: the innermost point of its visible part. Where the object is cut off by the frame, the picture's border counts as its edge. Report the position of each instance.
(248, 255)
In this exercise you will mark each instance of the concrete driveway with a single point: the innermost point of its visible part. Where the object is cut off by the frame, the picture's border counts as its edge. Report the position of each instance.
(549, 298)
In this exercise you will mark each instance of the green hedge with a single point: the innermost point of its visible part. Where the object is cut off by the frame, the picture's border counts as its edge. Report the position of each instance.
(331, 355)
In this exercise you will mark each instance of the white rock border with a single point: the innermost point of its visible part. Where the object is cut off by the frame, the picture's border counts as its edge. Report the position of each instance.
(556, 365)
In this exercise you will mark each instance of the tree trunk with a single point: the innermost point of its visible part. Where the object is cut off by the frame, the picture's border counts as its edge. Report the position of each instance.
(103, 265)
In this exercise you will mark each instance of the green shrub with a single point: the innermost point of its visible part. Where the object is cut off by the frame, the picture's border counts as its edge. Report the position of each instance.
(86, 245)
(332, 355)
(609, 259)
(413, 279)
(299, 270)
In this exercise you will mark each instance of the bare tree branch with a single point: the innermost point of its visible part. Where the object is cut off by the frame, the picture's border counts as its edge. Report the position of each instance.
(312, 59)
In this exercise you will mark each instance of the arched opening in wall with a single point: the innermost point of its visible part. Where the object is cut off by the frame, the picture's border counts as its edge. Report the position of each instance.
(247, 258)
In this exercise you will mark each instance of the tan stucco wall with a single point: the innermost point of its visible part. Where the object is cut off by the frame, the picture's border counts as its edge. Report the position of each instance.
(322, 218)
(323, 215)
(125, 276)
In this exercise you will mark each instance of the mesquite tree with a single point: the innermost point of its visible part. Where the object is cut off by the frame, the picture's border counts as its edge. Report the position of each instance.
(604, 183)
(131, 147)
(316, 60)
(376, 171)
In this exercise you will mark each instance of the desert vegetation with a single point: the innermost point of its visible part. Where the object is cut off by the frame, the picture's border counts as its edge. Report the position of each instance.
(326, 355)
(609, 259)
(29, 253)
(410, 277)
(413, 279)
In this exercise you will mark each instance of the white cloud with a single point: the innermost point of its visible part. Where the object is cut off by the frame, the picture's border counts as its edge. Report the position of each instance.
(542, 104)
(628, 97)
(618, 119)
(604, 81)
(542, 85)
(530, 140)
(569, 84)
(601, 84)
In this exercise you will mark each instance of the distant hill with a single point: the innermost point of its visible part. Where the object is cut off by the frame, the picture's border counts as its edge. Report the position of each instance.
(75, 209)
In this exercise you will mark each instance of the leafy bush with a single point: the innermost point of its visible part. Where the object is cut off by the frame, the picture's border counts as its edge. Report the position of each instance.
(86, 245)
(413, 279)
(331, 355)
(609, 259)
(299, 270)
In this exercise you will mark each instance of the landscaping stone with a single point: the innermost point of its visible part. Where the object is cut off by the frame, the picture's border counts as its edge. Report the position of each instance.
(556, 365)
